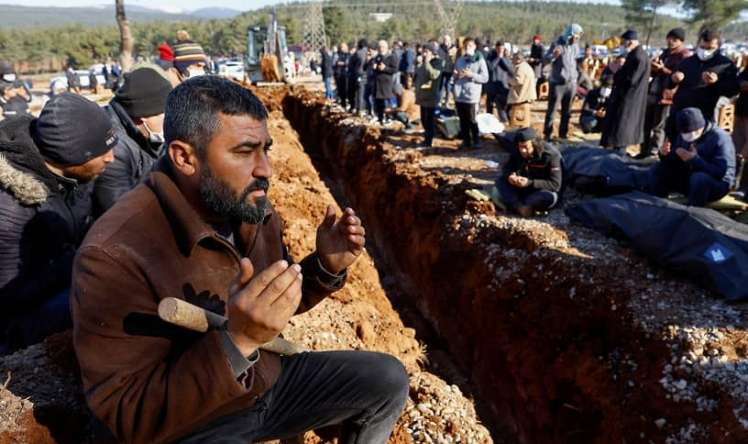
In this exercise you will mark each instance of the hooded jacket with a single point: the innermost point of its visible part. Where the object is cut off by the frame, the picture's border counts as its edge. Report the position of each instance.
(134, 156)
(428, 78)
(715, 155)
(468, 90)
(43, 218)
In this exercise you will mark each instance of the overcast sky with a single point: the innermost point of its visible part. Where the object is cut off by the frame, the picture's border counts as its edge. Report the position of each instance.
(178, 5)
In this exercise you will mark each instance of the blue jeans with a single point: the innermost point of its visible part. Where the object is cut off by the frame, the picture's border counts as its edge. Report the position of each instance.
(364, 392)
(700, 188)
(513, 197)
(329, 94)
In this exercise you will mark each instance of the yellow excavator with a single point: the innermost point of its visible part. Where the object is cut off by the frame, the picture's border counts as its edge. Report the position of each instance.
(267, 53)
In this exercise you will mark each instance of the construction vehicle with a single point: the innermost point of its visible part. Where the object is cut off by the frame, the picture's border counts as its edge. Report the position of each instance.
(267, 53)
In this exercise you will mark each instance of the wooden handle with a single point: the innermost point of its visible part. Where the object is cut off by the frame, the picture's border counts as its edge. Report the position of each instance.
(183, 314)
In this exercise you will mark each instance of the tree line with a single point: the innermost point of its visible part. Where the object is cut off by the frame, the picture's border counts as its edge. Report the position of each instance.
(42, 49)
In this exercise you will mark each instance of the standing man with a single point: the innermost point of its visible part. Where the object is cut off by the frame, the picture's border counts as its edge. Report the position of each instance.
(407, 62)
(357, 77)
(47, 168)
(385, 66)
(427, 83)
(537, 54)
(702, 79)
(341, 74)
(137, 116)
(522, 93)
(448, 53)
(470, 74)
(201, 228)
(624, 119)
(562, 56)
(500, 76)
(740, 132)
(326, 55)
(661, 91)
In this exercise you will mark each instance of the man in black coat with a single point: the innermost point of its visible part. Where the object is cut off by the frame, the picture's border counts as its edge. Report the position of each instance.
(702, 79)
(624, 119)
(326, 64)
(531, 179)
(46, 170)
(137, 116)
(385, 65)
(357, 77)
(500, 75)
(341, 74)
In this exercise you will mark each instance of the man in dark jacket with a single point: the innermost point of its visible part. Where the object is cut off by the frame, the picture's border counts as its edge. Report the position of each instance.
(740, 132)
(624, 119)
(15, 95)
(201, 228)
(700, 163)
(341, 74)
(500, 75)
(357, 77)
(137, 115)
(46, 166)
(326, 55)
(385, 65)
(531, 179)
(702, 79)
(407, 62)
(537, 53)
(595, 106)
(661, 91)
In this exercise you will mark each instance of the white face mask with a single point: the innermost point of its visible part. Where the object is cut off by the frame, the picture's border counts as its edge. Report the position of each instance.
(605, 91)
(9, 77)
(693, 135)
(154, 137)
(705, 54)
(197, 72)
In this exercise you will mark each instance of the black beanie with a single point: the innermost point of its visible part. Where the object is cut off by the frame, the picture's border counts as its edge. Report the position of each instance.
(525, 134)
(677, 33)
(144, 93)
(689, 120)
(72, 130)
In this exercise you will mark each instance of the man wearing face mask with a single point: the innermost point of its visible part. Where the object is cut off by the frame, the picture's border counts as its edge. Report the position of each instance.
(137, 116)
(189, 58)
(624, 119)
(661, 91)
(700, 163)
(470, 73)
(702, 79)
(595, 106)
(562, 56)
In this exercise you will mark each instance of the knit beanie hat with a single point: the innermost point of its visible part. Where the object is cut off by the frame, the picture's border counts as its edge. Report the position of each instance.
(689, 120)
(72, 130)
(144, 93)
(187, 52)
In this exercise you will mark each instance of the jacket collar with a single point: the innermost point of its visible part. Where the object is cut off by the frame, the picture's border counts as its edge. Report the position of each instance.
(188, 227)
(132, 131)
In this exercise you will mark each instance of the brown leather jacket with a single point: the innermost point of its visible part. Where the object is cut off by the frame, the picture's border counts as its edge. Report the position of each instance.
(148, 381)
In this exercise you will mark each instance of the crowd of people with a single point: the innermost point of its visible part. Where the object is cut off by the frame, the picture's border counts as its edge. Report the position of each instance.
(162, 192)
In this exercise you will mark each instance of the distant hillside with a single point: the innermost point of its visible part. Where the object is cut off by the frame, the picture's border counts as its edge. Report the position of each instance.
(215, 13)
(15, 16)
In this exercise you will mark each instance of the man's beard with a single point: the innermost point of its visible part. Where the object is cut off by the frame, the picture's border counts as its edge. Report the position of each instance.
(218, 197)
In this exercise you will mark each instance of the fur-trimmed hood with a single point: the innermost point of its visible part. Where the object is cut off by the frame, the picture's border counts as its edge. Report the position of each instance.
(22, 169)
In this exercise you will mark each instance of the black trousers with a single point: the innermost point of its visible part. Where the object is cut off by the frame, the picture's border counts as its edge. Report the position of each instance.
(364, 392)
(563, 93)
(341, 84)
(357, 93)
(379, 107)
(498, 99)
(428, 120)
(468, 125)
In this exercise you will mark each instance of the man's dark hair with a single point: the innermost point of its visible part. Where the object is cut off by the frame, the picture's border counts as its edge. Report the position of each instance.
(362, 44)
(499, 43)
(708, 35)
(192, 109)
(467, 40)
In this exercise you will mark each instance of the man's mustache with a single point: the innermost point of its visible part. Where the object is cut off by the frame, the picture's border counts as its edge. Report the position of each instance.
(260, 184)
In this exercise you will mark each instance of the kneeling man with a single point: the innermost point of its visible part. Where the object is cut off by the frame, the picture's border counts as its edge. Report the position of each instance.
(200, 228)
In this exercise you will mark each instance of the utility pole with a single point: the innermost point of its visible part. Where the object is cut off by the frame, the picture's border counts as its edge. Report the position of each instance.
(314, 28)
(126, 40)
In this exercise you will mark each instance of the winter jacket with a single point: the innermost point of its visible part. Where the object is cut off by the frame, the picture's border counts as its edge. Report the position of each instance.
(428, 78)
(500, 74)
(341, 64)
(356, 65)
(408, 61)
(593, 102)
(147, 381)
(43, 218)
(716, 155)
(134, 156)
(563, 67)
(543, 168)
(523, 85)
(449, 55)
(326, 64)
(694, 92)
(661, 87)
(384, 78)
(468, 90)
(741, 106)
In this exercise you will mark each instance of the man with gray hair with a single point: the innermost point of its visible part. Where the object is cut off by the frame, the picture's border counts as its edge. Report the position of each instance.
(385, 66)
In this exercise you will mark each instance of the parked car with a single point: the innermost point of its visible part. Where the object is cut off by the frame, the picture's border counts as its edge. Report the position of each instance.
(233, 69)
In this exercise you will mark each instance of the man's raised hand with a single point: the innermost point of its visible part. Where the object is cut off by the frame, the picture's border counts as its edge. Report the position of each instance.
(341, 241)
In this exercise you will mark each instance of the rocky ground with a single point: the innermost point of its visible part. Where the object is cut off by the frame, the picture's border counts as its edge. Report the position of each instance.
(571, 336)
